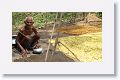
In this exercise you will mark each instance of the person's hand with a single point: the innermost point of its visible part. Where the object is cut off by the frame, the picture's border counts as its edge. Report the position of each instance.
(36, 46)
(24, 53)
(27, 51)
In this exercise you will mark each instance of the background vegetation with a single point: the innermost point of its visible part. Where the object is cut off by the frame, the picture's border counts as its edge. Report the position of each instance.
(40, 18)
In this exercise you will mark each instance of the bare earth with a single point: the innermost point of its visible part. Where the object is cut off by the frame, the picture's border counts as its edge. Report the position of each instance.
(44, 37)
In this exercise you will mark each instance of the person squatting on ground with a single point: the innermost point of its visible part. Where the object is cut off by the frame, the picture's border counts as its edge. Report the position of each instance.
(25, 41)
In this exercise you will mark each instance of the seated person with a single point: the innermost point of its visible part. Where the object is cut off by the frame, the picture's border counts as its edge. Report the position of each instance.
(25, 41)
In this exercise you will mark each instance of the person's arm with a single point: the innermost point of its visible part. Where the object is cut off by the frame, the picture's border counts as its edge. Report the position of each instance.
(18, 43)
(35, 31)
(36, 36)
(22, 49)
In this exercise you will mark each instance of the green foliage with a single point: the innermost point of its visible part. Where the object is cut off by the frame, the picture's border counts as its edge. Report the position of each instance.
(99, 15)
(40, 18)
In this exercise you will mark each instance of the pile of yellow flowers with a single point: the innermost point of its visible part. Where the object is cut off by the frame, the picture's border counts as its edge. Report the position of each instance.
(87, 47)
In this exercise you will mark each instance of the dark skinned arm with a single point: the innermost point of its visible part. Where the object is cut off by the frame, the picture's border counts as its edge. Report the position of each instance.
(35, 31)
(18, 43)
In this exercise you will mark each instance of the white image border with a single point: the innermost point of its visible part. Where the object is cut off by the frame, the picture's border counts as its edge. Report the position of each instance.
(104, 67)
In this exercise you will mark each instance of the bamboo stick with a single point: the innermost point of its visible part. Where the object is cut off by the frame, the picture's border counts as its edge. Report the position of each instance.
(46, 56)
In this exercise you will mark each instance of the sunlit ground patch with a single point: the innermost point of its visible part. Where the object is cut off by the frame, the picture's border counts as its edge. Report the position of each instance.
(79, 30)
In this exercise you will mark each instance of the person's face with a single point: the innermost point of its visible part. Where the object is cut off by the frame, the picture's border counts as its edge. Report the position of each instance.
(29, 22)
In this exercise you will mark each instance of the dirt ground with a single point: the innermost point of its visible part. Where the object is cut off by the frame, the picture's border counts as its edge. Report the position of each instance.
(44, 37)
(56, 57)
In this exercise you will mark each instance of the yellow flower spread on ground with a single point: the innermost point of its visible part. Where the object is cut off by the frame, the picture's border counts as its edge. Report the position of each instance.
(87, 47)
